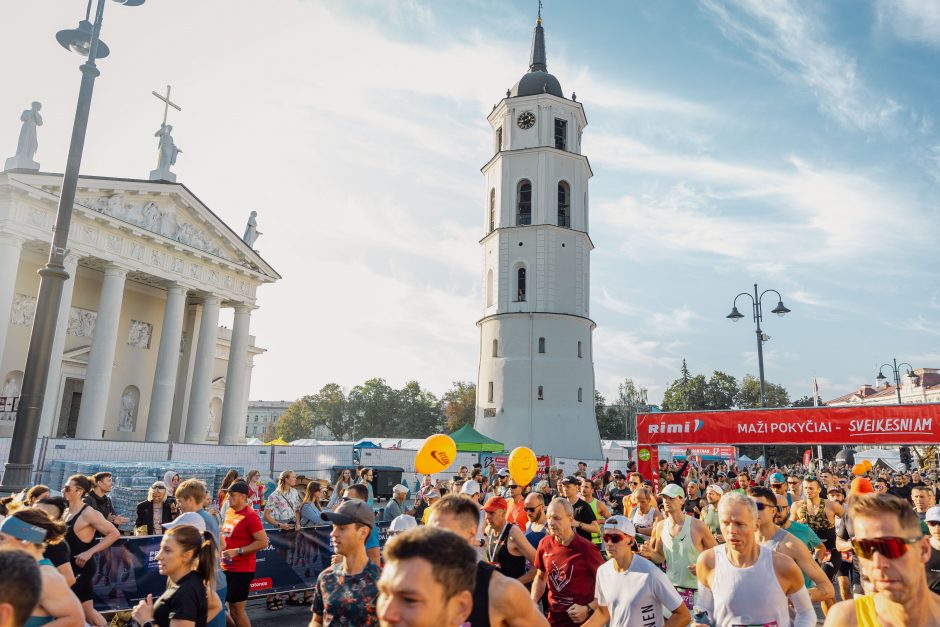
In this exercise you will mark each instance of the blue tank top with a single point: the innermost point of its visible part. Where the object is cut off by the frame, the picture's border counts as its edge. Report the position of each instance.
(36, 621)
(534, 537)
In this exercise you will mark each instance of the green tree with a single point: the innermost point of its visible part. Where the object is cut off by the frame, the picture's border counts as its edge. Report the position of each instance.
(685, 393)
(610, 424)
(330, 411)
(631, 400)
(720, 391)
(748, 395)
(373, 409)
(803, 401)
(419, 413)
(297, 422)
(460, 404)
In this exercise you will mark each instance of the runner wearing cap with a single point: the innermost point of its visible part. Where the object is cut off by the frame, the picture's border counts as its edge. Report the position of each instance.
(713, 494)
(933, 562)
(585, 521)
(346, 592)
(678, 540)
(743, 583)
(566, 565)
(396, 505)
(401, 524)
(474, 491)
(373, 542)
(631, 591)
(782, 541)
(497, 600)
(506, 545)
(777, 483)
(243, 535)
(430, 497)
(892, 552)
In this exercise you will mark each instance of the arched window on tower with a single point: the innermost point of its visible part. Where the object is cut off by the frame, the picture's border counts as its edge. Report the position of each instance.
(579, 395)
(490, 288)
(520, 284)
(492, 209)
(541, 344)
(495, 348)
(541, 393)
(524, 203)
(564, 205)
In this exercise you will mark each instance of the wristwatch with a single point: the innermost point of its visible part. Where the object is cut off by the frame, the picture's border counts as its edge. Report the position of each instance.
(240, 550)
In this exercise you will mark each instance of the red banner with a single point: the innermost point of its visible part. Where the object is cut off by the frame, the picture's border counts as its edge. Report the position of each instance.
(867, 424)
(807, 457)
(648, 464)
(725, 452)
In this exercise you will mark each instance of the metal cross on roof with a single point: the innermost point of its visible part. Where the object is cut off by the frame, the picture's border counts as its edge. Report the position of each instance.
(166, 102)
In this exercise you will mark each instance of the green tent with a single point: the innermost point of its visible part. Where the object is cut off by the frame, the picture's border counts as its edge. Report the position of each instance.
(470, 440)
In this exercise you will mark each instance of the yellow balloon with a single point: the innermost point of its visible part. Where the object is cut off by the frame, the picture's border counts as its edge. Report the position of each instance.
(436, 454)
(523, 465)
(867, 465)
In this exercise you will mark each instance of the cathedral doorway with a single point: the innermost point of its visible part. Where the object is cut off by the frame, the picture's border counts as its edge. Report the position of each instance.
(71, 403)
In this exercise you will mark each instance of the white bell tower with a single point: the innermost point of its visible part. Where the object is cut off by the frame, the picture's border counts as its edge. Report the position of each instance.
(536, 376)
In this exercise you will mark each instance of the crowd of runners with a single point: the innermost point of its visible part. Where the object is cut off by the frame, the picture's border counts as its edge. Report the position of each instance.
(695, 545)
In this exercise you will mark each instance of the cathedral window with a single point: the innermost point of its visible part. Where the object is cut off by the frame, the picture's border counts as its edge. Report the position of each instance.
(495, 348)
(524, 203)
(490, 288)
(541, 344)
(520, 284)
(564, 205)
(489, 393)
(579, 349)
(499, 139)
(561, 134)
(579, 395)
(541, 393)
(492, 210)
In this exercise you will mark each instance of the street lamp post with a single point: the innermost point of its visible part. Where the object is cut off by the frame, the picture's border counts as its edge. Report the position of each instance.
(895, 367)
(758, 313)
(85, 41)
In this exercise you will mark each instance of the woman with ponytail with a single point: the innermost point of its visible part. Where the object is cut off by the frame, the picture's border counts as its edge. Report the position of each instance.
(31, 530)
(187, 557)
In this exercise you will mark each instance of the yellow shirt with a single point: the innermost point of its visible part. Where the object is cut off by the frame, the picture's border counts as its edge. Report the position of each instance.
(865, 613)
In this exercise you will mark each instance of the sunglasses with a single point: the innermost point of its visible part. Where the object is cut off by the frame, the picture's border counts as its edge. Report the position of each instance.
(533, 509)
(933, 523)
(614, 538)
(891, 548)
(762, 506)
(776, 485)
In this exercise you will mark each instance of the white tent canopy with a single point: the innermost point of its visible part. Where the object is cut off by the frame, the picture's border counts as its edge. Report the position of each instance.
(892, 457)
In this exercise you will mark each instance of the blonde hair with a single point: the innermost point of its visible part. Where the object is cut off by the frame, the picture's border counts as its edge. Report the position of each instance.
(872, 505)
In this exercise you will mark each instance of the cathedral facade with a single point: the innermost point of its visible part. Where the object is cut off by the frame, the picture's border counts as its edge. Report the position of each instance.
(535, 383)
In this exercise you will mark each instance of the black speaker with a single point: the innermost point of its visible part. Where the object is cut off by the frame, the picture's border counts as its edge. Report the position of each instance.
(384, 480)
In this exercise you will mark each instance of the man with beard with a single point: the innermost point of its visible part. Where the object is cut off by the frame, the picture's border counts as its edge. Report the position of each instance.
(892, 552)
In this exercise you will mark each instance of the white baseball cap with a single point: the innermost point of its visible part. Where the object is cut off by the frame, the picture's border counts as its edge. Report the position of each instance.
(717, 489)
(933, 514)
(621, 524)
(189, 518)
(402, 523)
(399, 489)
(470, 487)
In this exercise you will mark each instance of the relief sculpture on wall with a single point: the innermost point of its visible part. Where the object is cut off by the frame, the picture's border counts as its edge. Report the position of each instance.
(139, 333)
(23, 310)
(82, 322)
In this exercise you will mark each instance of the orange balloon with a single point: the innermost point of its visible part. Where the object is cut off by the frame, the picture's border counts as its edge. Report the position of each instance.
(523, 465)
(867, 464)
(859, 469)
(436, 454)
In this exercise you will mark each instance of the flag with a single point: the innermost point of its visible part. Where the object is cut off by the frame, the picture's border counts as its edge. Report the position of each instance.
(815, 393)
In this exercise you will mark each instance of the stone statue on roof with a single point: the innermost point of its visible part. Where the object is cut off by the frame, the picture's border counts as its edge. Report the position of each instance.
(251, 230)
(28, 144)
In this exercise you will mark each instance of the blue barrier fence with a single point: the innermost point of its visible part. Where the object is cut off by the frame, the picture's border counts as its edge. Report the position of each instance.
(127, 572)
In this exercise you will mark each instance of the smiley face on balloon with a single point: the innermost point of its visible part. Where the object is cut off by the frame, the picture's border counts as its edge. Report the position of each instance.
(522, 465)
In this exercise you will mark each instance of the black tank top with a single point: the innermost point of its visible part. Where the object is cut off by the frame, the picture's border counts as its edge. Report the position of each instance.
(76, 544)
(512, 566)
(480, 615)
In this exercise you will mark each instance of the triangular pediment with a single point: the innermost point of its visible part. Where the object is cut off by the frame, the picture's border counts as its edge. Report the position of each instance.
(77, 355)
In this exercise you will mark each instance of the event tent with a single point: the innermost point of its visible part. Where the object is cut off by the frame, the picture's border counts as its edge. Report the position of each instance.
(889, 457)
(470, 440)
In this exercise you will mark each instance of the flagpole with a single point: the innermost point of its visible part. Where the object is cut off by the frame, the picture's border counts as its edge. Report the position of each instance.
(816, 404)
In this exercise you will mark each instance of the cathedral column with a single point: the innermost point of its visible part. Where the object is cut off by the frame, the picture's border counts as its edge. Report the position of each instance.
(168, 360)
(51, 404)
(10, 248)
(97, 386)
(233, 410)
(197, 417)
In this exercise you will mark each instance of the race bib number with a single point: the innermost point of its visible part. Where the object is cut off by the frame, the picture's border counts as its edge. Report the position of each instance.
(688, 596)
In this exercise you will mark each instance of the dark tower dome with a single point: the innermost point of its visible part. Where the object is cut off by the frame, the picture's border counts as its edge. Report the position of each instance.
(537, 80)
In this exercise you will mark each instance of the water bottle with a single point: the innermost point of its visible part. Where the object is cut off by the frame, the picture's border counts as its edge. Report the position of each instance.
(700, 615)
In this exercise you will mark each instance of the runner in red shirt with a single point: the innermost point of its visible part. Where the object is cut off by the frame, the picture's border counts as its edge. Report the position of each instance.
(244, 536)
(567, 564)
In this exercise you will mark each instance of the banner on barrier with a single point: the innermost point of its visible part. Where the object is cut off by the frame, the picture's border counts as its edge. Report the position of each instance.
(127, 572)
(502, 461)
(868, 424)
(723, 452)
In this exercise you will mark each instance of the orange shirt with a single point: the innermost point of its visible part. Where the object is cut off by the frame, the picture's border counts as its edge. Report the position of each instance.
(517, 514)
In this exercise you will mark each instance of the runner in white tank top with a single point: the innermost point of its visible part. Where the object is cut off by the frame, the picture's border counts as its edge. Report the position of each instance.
(748, 596)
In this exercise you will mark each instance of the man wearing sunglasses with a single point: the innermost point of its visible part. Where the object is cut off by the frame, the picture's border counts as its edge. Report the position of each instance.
(630, 589)
(744, 583)
(770, 535)
(892, 553)
(794, 488)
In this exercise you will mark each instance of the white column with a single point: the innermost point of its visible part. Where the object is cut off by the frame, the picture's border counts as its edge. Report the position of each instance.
(10, 248)
(233, 410)
(197, 418)
(101, 359)
(168, 360)
(51, 402)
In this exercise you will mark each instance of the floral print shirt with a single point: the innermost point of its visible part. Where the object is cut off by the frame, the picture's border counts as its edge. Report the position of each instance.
(343, 599)
(283, 505)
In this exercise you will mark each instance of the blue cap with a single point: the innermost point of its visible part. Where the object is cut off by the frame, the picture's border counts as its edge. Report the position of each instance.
(13, 526)
(777, 478)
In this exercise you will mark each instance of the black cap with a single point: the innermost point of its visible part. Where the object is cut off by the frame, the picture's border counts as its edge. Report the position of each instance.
(352, 511)
(571, 480)
(239, 487)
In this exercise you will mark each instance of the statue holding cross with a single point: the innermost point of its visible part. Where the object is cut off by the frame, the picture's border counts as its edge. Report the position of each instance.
(167, 150)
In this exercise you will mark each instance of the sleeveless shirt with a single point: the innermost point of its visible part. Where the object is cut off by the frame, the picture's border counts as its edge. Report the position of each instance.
(37, 621)
(865, 613)
(748, 596)
(680, 553)
(512, 566)
(480, 615)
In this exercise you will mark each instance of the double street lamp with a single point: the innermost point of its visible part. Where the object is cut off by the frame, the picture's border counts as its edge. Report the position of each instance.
(762, 337)
(895, 367)
(85, 41)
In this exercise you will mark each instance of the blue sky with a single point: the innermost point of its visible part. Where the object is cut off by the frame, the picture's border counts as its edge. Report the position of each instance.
(791, 144)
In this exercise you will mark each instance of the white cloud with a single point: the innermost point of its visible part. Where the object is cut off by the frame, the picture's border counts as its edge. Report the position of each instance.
(791, 43)
(916, 21)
